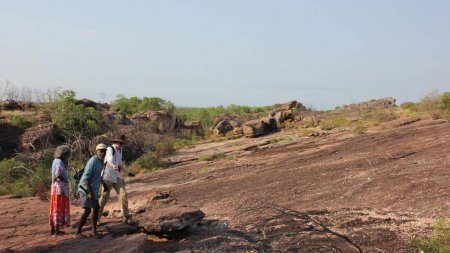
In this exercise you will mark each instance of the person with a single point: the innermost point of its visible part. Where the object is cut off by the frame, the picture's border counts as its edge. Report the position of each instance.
(59, 200)
(88, 189)
(113, 179)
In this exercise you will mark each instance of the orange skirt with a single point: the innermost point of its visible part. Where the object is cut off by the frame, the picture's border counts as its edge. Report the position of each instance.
(59, 205)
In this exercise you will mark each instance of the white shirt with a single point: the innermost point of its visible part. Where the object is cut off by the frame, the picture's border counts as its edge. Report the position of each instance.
(112, 172)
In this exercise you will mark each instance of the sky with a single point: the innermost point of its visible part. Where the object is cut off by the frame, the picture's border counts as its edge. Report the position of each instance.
(249, 52)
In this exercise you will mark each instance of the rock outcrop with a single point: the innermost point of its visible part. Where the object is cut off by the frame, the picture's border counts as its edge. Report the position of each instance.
(40, 136)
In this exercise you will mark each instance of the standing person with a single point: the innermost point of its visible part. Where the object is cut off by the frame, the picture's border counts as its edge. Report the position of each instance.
(59, 201)
(113, 179)
(88, 190)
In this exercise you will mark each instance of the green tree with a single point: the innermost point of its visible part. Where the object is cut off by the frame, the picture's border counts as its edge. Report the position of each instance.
(77, 123)
(444, 103)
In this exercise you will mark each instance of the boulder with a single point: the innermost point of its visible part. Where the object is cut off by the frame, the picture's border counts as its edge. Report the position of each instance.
(222, 128)
(282, 116)
(167, 122)
(10, 104)
(40, 136)
(171, 218)
(255, 128)
(190, 128)
(86, 103)
(121, 229)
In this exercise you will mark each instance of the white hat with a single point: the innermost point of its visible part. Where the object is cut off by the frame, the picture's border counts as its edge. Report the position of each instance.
(100, 146)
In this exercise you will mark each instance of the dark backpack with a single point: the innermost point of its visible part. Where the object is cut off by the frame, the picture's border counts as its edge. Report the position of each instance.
(77, 176)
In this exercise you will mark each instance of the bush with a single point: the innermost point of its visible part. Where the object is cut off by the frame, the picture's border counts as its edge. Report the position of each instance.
(380, 116)
(211, 157)
(359, 128)
(164, 147)
(15, 178)
(439, 241)
(147, 163)
(334, 121)
(21, 122)
(410, 106)
(128, 106)
(430, 104)
(444, 102)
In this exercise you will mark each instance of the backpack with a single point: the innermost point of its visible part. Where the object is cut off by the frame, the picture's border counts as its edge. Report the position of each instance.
(77, 176)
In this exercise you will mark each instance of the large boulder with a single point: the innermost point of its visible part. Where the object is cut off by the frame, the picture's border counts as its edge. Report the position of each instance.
(171, 218)
(38, 137)
(167, 122)
(192, 128)
(222, 127)
(86, 103)
(160, 213)
(255, 128)
(10, 104)
(282, 116)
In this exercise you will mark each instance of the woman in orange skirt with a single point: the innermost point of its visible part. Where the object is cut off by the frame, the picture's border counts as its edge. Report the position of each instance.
(59, 201)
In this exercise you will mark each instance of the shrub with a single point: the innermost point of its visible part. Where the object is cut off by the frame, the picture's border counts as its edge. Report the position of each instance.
(430, 104)
(75, 122)
(127, 106)
(444, 103)
(21, 122)
(334, 121)
(439, 241)
(211, 157)
(164, 147)
(379, 116)
(147, 163)
(410, 106)
(15, 178)
(359, 128)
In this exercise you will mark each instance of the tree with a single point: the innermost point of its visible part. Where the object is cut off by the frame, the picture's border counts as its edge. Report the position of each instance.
(78, 124)
(444, 103)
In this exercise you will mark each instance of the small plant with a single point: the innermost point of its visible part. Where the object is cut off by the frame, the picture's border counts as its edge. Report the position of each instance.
(211, 157)
(410, 106)
(231, 157)
(439, 241)
(334, 121)
(21, 122)
(360, 128)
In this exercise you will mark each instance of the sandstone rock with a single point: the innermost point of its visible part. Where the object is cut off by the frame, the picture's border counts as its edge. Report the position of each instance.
(10, 104)
(170, 219)
(121, 229)
(35, 138)
(222, 128)
(190, 128)
(255, 128)
(167, 122)
(86, 103)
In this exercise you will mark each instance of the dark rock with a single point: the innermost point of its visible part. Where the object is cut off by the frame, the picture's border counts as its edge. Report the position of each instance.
(190, 128)
(222, 128)
(10, 104)
(170, 218)
(121, 229)
(86, 103)
(38, 137)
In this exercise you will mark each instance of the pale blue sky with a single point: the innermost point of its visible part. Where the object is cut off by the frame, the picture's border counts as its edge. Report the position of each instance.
(208, 53)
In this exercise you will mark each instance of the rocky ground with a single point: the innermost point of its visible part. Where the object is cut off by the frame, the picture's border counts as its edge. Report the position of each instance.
(338, 192)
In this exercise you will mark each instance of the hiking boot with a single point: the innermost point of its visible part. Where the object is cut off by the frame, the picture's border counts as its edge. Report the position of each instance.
(128, 221)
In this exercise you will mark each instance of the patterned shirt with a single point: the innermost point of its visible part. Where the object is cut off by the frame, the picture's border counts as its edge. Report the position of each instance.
(59, 170)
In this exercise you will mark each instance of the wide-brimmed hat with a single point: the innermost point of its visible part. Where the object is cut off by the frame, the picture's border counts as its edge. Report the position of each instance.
(119, 138)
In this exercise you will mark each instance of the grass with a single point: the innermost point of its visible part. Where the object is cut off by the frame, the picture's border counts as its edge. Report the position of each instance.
(210, 157)
(439, 241)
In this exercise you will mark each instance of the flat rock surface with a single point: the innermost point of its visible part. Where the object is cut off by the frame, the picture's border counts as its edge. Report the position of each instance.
(378, 190)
